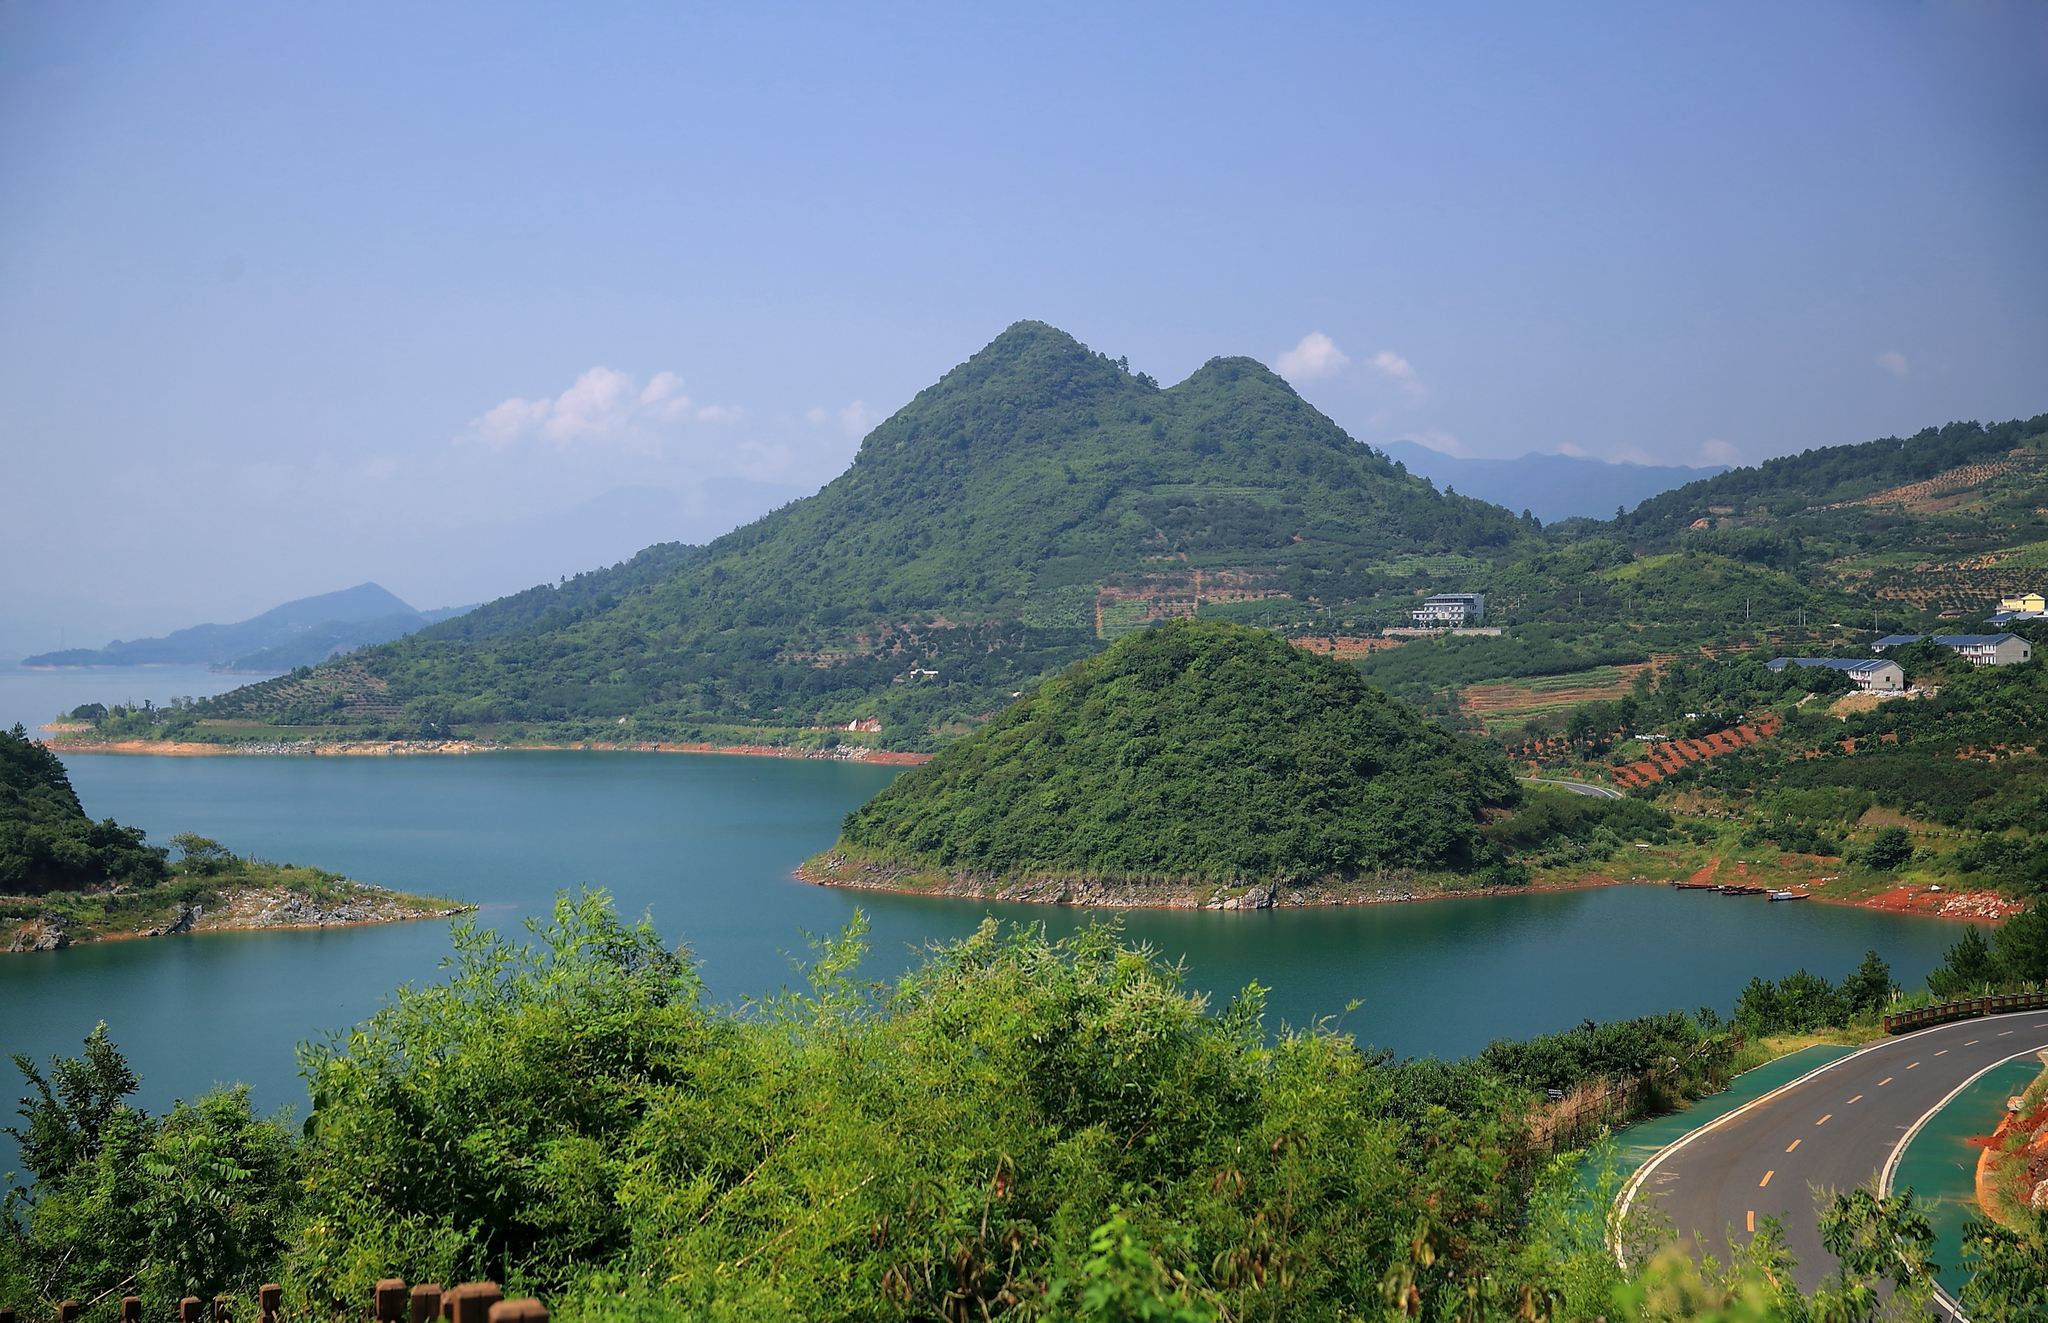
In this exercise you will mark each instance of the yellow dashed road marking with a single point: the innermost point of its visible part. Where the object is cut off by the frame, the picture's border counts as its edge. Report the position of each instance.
(1767, 1179)
(1825, 1119)
(1789, 1147)
(1886, 1080)
(1857, 1099)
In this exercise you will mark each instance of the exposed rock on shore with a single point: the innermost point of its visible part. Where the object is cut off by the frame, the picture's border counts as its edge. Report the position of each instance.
(836, 869)
(47, 933)
(243, 909)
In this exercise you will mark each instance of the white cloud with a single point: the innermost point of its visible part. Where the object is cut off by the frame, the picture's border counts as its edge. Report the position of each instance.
(1398, 370)
(595, 407)
(1716, 451)
(601, 406)
(1395, 366)
(818, 416)
(1572, 449)
(1317, 355)
(505, 423)
(1894, 362)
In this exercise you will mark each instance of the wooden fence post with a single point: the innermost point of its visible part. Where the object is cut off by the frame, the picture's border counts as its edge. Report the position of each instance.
(188, 1309)
(390, 1300)
(426, 1303)
(519, 1311)
(220, 1309)
(270, 1296)
(67, 1311)
(131, 1309)
(473, 1300)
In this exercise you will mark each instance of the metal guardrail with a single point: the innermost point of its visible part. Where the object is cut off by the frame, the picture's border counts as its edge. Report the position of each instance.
(1964, 1009)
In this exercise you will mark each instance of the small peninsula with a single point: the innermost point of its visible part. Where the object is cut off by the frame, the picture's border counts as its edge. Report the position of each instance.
(1194, 764)
(65, 879)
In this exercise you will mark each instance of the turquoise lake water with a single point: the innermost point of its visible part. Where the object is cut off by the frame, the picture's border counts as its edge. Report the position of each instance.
(706, 846)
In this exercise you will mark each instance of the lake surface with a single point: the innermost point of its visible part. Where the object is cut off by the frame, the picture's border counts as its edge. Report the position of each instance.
(706, 845)
(35, 697)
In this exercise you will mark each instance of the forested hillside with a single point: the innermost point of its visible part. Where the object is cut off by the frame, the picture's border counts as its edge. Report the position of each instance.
(1195, 750)
(46, 841)
(1945, 521)
(1037, 501)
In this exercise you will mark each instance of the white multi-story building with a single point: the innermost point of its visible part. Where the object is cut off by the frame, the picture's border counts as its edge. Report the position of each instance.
(1982, 649)
(1875, 676)
(1451, 609)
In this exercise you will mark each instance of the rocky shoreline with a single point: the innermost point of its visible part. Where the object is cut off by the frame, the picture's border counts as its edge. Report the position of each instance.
(835, 869)
(240, 909)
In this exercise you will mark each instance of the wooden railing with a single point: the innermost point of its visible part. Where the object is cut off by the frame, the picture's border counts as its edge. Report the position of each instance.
(1965, 1009)
(391, 1302)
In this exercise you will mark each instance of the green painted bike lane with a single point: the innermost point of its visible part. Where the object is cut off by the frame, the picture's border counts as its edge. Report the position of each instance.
(1626, 1150)
(1940, 1164)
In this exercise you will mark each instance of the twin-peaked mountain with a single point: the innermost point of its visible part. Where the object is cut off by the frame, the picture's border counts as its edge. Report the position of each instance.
(1039, 500)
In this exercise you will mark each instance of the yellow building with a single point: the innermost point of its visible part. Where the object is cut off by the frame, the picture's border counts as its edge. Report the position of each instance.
(2024, 602)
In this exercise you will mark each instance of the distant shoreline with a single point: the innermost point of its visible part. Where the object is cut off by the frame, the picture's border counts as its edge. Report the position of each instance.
(848, 753)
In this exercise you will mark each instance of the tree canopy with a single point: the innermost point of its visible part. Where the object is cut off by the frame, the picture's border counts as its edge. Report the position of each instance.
(1197, 749)
(46, 841)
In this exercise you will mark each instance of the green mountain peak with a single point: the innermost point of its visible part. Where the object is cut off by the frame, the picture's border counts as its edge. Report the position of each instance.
(1033, 504)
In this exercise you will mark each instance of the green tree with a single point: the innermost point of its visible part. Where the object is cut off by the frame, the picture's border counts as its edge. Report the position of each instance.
(2019, 952)
(67, 1112)
(1968, 967)
(200, 856)
(1876, 1241)
(1870, 988)
(1888, 851)
(2009, 1272)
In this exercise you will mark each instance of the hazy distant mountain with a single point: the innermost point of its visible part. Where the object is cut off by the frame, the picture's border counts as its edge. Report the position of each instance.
(299, 633)
(1552, 487)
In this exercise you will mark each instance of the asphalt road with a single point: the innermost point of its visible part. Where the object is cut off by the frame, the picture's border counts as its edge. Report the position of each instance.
(1577, 787)
(1829, 1131)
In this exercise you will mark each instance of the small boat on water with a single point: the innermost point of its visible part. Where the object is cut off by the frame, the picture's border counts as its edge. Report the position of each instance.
(1695, 886)
(1742, 891)
(1790, 895)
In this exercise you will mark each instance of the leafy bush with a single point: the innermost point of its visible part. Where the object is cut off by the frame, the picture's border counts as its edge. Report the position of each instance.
(1888, 851)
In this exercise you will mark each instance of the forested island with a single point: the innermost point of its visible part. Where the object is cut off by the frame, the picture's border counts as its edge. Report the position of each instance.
(1194, 763)
(66, 879)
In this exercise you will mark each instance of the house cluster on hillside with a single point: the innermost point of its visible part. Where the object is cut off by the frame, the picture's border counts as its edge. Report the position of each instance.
(2025, 606)
(1981, 649)
(1452, 610)
(1876, 676)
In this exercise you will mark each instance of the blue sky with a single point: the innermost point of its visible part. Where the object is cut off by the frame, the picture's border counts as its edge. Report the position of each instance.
(460, 298)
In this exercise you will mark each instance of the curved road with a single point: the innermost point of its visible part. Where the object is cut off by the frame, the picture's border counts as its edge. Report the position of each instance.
(1576, 787)
(1832, 1130)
